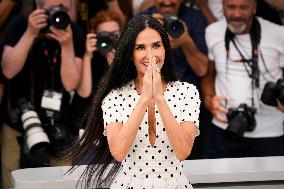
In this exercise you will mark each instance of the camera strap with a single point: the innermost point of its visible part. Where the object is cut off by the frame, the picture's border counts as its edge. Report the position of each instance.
(84, 14)
(52, 55)
(253, 72)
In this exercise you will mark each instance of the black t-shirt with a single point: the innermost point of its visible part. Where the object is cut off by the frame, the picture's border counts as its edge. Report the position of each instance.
(40, 70)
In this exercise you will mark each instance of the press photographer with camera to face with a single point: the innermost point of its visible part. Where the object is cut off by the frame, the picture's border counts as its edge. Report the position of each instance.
(243, 87)
(42, 60)
(100, 47)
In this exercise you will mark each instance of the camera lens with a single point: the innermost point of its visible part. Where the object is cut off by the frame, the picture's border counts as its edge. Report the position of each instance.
(280, 86)
(173, 26)
(36, 137)
(269, 94)
(60, 19)
(105, 42)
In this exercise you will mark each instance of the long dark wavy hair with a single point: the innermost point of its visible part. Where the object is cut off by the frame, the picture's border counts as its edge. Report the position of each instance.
(121, 72)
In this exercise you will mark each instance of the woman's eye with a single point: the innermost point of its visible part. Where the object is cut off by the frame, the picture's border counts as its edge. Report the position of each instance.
(140, 47)
(156, 45)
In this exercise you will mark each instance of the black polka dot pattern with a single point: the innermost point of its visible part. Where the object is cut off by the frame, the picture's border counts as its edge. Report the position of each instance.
(151, 165)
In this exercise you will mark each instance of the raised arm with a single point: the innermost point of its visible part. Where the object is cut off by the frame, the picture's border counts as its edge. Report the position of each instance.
(203, 6)
(70, 64)
(195, 58)
(121, 136)
(85, 86)
(14, 58)
(181, 135)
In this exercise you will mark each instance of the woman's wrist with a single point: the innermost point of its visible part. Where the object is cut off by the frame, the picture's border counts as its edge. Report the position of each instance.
(159, 99)
(145, 100)
(88, 55)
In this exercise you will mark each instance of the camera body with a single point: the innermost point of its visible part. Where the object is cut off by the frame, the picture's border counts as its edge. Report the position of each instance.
(57, 17)
(173, 26)
(240, 120)
(106, 41)
(273, 91)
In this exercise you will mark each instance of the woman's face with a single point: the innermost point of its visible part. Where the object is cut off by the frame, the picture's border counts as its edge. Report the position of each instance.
(148, 43)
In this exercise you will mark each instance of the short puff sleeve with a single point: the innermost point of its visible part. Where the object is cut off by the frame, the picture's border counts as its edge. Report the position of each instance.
(191, 105)
(111, 109)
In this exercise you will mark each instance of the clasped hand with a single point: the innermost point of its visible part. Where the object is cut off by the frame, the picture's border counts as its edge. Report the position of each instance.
(152, 88)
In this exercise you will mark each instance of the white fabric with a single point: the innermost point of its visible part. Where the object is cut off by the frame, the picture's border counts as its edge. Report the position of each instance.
(216, 6)
(146, 166)
(136, 6)
(236, 85)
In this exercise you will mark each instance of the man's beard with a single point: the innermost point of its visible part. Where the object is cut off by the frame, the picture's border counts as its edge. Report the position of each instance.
(237, 30)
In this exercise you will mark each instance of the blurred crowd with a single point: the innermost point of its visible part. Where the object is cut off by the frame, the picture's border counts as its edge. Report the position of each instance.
(55, 53)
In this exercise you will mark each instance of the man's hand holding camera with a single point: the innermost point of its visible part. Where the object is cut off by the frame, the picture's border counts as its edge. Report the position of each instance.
(215, 105)
(177, 29)
(280, 106)
(37, 21)
(64, 37)
(91, 45)
(181, 40)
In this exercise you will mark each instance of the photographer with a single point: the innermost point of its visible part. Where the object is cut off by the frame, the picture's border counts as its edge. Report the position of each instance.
(97, 59)
(243, 87)
(42, 60)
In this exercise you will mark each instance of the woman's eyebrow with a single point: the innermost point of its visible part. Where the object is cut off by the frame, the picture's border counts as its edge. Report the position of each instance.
(157, 42)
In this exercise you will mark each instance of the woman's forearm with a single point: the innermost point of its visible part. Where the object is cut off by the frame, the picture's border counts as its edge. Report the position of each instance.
(121, 138)
(179, 138)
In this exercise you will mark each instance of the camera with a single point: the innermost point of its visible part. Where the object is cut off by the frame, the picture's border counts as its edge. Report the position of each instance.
(106, 41)
(51, 108)
(36, 139)
(57, 17)
(174, 26)
(240, 120)
(273, 91)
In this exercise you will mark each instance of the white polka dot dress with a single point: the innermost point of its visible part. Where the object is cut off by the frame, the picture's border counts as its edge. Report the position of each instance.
(146, 166)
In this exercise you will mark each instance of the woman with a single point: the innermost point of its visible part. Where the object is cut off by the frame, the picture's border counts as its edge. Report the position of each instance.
(97, 60)
(149, 119)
